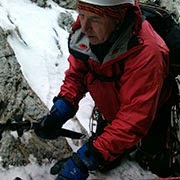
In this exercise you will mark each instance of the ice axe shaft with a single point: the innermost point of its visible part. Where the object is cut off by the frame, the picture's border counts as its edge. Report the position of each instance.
(24, 126)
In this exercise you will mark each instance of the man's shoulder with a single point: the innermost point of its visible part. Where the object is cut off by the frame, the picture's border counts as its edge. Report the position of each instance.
(148, 33)
(151, 39)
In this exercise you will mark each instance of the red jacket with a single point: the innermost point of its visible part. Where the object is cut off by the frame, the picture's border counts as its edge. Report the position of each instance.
(130, 103)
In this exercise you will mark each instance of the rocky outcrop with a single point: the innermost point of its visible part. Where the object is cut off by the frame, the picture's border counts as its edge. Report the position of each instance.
(171, 6)
(69, 4)
(17, 99)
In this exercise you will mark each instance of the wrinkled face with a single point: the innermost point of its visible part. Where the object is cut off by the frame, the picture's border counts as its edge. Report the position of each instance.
(96, 28)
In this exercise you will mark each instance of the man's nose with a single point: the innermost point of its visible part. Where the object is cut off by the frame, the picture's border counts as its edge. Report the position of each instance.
(85, 25)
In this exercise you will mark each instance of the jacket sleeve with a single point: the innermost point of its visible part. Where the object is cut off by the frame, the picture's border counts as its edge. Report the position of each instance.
(74, 88)
(141, 86)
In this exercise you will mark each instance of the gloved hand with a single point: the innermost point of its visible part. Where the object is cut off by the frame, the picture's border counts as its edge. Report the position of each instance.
(50, 124)
(77, 166)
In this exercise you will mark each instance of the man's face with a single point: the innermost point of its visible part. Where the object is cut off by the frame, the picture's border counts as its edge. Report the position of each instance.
(96, 28)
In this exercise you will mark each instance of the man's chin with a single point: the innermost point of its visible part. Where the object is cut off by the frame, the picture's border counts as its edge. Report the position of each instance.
(93, 40)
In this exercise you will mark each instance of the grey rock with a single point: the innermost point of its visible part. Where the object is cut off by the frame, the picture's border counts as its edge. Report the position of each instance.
(17, 99)
(65, 21)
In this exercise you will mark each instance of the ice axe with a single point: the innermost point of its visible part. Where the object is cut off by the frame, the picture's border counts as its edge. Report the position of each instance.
(22, 126)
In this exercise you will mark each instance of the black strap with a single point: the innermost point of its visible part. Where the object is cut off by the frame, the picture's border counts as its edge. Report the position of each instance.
(79, 163)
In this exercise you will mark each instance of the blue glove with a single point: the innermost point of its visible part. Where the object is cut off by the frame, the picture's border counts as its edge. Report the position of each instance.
(62, 110)
(76, 168)
(50, 124)
(71, 172)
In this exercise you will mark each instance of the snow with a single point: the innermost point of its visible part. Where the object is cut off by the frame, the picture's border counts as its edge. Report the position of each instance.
(34, 33)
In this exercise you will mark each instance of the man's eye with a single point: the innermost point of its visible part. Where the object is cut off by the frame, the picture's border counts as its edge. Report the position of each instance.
(81, 15)
(95, 20)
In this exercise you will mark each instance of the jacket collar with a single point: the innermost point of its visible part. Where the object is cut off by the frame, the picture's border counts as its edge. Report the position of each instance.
(79, 43)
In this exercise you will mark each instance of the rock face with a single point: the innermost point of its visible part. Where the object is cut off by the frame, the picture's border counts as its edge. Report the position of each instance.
(18, 100)
(171, 6)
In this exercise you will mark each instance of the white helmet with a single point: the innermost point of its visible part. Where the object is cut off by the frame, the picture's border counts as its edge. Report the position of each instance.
(108, 2)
